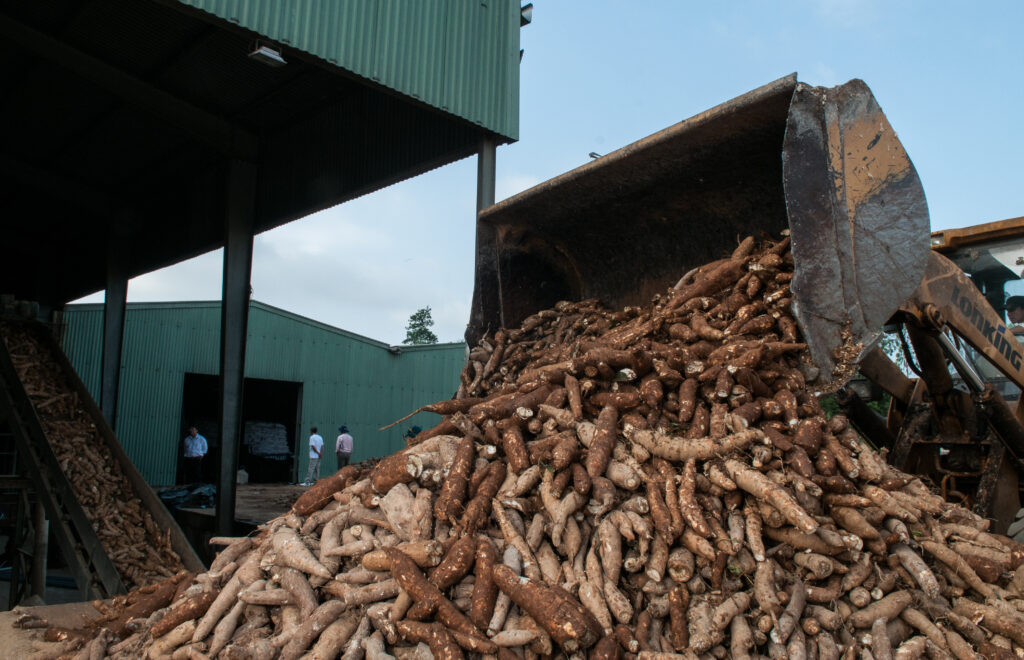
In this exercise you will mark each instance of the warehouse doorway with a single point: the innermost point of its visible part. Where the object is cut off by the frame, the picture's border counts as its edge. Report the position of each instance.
(270, 420)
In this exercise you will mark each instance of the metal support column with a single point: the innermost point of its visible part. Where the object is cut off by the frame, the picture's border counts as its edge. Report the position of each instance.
(485, 292)
(15, 594)
(40, 549)
(486, 173)
(114, 304)
(234, 318)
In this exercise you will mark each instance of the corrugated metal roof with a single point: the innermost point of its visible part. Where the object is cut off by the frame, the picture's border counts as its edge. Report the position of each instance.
(159, 98)
(461, 56)
(346, 378)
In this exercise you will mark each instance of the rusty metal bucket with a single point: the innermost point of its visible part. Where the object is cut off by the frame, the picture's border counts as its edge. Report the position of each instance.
(824, 163)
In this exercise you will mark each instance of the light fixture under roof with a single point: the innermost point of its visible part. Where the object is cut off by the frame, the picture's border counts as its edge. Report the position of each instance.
(267, 55)
(526, 14)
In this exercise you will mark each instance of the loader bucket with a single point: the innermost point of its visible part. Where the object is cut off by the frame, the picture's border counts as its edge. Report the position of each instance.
(823, 163)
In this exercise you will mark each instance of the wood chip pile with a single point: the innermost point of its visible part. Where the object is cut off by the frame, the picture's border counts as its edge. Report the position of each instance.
(655, 482)
(139, 549)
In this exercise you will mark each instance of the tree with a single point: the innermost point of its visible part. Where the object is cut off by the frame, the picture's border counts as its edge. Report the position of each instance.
(418, 330)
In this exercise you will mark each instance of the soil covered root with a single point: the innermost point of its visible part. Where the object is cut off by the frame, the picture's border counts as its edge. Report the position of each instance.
(655, 482)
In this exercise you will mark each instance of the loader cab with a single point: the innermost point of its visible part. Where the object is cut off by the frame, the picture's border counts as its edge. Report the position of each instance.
(992, 255)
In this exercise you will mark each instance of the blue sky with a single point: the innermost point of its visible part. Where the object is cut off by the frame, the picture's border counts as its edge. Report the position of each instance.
(598, 75)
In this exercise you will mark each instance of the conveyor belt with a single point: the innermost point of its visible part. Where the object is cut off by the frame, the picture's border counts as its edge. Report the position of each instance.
(92, 568)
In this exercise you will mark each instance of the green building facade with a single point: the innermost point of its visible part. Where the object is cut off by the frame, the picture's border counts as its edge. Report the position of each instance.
(299, 373)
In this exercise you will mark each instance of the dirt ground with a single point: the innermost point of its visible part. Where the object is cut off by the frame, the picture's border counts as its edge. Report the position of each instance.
(17, 642)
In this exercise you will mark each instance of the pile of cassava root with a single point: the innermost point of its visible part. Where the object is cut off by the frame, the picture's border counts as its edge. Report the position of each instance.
(656, 482)
(139, 549)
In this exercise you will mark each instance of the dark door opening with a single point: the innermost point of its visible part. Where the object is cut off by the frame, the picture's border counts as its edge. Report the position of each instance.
(270, 413)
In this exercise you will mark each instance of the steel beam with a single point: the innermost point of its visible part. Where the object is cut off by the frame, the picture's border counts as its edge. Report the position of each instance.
(16, 560)
(191, 120)
(55, 186)
(234, 318)
(880, 370)
(40, 548)
(486, 172)
(114, 305)
(486, 302)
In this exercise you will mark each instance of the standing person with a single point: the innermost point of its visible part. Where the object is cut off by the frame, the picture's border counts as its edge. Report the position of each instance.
(195, 449)
(343, 448)
(316, 451)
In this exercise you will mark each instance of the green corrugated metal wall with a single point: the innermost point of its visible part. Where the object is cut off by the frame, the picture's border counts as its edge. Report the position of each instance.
(461, 56)
(345, 378)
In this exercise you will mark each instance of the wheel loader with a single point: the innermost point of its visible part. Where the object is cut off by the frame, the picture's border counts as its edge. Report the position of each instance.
(824, 165)
(956, 418)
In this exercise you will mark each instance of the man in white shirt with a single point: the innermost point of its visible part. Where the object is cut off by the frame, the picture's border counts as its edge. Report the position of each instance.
(316, 450)
(343, 447)
(195, 449)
